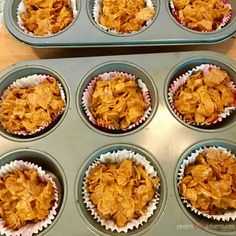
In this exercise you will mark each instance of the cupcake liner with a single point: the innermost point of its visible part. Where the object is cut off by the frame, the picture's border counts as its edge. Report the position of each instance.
(30, 228)
(181, 80)
(2, 2)
(231, 215)
(96, 12)
(21, 8)
(224, 21)
(87, 95)
(31, 81)
(118, 157)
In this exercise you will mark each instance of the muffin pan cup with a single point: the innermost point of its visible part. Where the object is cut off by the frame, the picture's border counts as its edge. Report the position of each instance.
(89, 91)
(182, 80)
(26, 77)
(115, 154)
(48, 169)
(30, 228)
(223, 22)
(84, 31)
(163, 139)
(32, 81)
(22, 9)
(97, 10)
(190, 160)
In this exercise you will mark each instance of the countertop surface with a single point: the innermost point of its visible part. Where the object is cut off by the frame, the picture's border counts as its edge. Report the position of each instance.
(13, 51)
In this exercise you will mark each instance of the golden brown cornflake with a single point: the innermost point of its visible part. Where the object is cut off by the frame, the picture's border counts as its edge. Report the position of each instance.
(210, 182)
(125, 16)
(204, 96)
(121, 192)
(27, 109)
(24, 198)
(201, 15)
(118, 102)
(46, 16)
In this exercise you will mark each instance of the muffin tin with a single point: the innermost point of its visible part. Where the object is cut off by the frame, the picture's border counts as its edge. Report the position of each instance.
(67, 149)
(84, 32)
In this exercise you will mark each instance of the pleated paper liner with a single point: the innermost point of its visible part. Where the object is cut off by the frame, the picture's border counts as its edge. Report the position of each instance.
(21, 8)
(223, 23)
(30, 228)
(87, 95)
(97, 13)
(181, 80)
(118, 157)
(229, 215)
(32, 81)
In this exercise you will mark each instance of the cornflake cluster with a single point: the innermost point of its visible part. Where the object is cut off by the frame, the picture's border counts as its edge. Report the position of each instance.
(125, 16)
(204, 96)
(121, 192)
(118, 102)
(201, 15)
(46, 16)
(24, 198)
(210, 183)
(27, 109)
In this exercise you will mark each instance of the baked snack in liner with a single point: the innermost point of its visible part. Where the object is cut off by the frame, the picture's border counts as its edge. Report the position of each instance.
(31, 104)
(207, 183)
(28, 199)
(116, 101)
(203, 96)
(123, 16)
(201, 15)
(107, 190)
(45, 17)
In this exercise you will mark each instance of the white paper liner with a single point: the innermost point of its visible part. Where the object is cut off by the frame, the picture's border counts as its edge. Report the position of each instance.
(181, 80)
(87, 95)
(118, 157)
(224, 21)
(30, 228)
(32, 81)
(21, 8)
(231, 215)
(2, 2)
(96, 12)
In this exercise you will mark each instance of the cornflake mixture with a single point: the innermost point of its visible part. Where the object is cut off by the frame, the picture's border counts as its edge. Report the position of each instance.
(24, 198)
(201, 15)
(118, 102)
(210, 183)
(27, 109)
(204, 96)
(125, 16)
(121, 192)
(44, 17)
